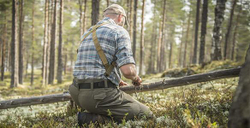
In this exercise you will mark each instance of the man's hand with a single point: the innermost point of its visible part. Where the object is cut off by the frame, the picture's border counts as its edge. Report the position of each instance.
(136, 81)
(122, 83)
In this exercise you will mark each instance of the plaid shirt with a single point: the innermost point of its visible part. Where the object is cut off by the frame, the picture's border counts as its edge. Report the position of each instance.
(115, 42)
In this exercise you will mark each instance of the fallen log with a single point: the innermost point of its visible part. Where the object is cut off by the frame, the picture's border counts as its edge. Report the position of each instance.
(204, 77)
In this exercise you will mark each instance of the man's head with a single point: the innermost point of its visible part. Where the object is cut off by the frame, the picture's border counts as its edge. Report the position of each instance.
(117, 13)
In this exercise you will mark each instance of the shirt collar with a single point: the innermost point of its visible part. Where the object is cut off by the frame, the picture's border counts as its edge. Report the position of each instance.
(107, 19)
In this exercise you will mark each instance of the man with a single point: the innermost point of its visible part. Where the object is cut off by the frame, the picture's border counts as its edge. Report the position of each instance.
(105, 49)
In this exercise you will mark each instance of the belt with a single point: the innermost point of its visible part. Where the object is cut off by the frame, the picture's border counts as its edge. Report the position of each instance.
(96, 85)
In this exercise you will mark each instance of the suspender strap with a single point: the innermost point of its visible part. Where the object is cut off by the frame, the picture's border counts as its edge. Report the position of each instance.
(93, 29)
(108, 67)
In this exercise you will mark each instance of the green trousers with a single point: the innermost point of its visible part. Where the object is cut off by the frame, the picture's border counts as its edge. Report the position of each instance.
(106, 101)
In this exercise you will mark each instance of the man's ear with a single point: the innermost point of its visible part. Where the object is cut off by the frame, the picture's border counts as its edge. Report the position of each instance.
(119, 18)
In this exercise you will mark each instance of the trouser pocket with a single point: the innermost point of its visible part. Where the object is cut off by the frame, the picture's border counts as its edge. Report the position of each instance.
(99, 95)
(74, 92)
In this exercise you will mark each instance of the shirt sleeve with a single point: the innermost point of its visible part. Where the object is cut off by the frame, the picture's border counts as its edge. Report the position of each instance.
(124, 53)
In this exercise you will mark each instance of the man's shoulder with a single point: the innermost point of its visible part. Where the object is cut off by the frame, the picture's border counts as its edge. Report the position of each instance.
(116, 29)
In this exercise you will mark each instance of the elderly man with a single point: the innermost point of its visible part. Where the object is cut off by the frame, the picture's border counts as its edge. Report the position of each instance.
(106, 48)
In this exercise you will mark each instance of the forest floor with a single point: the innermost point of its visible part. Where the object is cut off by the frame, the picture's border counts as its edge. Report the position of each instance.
(198, 105)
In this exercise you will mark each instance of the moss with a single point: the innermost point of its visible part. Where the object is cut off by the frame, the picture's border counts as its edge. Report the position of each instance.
(177, 72)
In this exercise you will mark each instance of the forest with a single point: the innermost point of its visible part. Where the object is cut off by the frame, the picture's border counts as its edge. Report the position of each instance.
(199, 43)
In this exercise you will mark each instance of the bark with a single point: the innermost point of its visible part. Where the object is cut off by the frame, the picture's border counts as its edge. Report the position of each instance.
(84, 16)
(235, 33)
(152, 48)
(227, 36)
(33, 43)
(127, 10)
(20, 63)
(163, 44)
(34, 100)
(14, 46)
(219, 17)
(50, 22)
(45, 44)
(192, 47)
(130, 20)
(3, 48)
(65, 61)
(107, 3)
(159, 48)
(186, 42)
(52, 47)
(60, 61)
(142, 40)
(239, 114)
(134, 29)
(80, 18)
(95, 11)
(171, 48)
(181, 46)
(196, 31)
(203, 32)
(177, 82)
(160, 41)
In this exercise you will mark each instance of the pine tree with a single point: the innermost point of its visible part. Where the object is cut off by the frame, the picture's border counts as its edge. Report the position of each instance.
(60, 61)
(203, 31)
(14, 46)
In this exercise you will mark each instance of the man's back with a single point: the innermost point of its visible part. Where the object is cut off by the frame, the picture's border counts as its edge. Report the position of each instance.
(115, 43)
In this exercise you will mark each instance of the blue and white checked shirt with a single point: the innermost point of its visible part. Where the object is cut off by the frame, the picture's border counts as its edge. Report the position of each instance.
(115, 42)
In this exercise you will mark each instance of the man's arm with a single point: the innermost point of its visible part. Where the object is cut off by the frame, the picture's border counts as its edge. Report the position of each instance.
(129, 72)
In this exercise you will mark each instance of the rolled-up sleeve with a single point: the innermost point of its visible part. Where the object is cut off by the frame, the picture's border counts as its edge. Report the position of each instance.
(124, 53)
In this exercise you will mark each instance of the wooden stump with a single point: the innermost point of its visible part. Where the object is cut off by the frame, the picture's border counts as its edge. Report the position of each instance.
(239, 115)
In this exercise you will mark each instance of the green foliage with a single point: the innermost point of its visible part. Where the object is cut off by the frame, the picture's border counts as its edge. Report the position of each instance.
(178, 72)
(199, 105)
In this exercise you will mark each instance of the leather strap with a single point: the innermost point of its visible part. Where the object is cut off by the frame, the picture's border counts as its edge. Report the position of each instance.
(108, 67)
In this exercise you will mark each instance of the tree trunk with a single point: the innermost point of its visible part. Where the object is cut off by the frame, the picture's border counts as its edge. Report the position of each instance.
(142, 39)
(227, 36)
(80, 18)
(95, 11)
(107, 3)
(219, 17)
(14, 46)
(239, 114)
(65, 61)
(127, 9)
(60, 61)
(33, 45)
(171, 47)
(130, 20)
(151, 66)
(203, 31)
(181, 46)
(186, 42)
(235, 33)
(84, 16)
(159, 48)
(196, 31)
(134, 29)
(52, 47)
(160, 41)
(3, 48)
(20, 65)
(162, 55)
(45, 43)
(50, 23)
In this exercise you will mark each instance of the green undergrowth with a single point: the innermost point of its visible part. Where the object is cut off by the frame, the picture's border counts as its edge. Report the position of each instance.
(199, 105)
(26, 89)
(195, 69)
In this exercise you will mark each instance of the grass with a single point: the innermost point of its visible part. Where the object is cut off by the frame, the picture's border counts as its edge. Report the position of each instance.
(199, 105)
